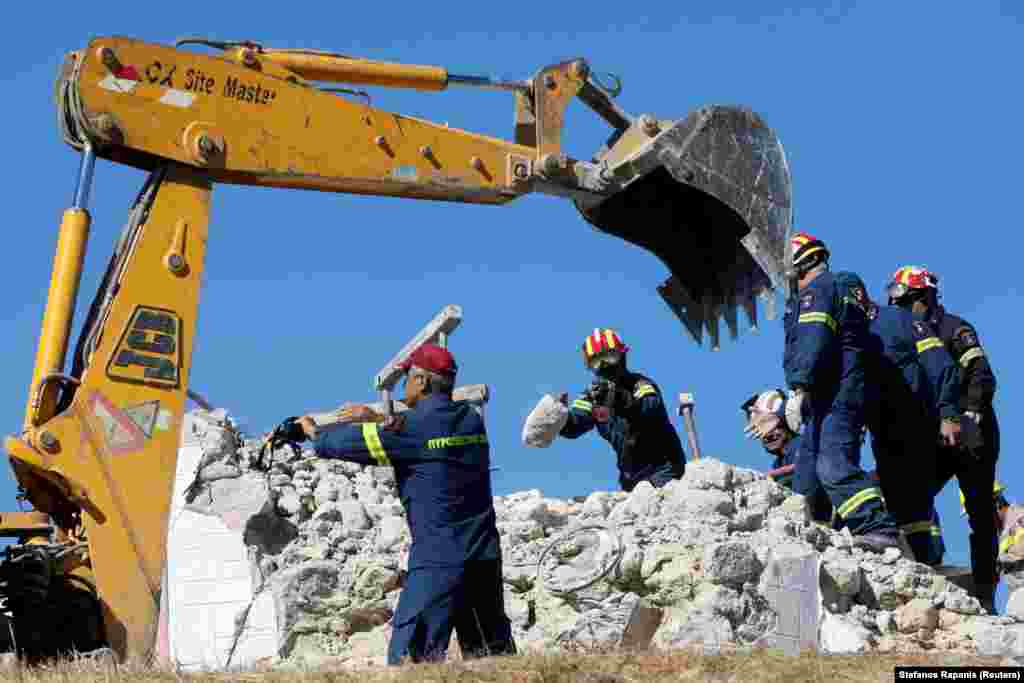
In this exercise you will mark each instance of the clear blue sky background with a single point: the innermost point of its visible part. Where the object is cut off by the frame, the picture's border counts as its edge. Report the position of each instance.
(900, 122)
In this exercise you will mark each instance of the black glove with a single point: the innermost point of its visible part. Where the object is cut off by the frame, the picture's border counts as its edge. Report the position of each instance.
(288, 433)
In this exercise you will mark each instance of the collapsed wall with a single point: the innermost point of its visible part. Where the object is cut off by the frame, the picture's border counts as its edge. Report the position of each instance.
(306, 562)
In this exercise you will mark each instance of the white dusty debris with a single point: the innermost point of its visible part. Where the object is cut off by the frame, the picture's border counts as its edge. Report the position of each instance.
(723, 558)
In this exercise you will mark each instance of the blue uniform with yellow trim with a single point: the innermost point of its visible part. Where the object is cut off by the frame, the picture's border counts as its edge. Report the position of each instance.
(826, 355)
(917, 385)
(441, 459)
(974, 467)
(646, 445)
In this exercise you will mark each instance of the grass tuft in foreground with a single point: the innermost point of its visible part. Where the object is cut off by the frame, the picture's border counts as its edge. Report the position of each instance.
(649, 667)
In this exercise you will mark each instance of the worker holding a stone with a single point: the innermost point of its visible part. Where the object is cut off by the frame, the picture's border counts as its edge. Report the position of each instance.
(629, 413)
(440, 454)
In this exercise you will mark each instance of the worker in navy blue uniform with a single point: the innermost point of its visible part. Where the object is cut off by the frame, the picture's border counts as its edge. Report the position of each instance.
(918, 392)
(440, 455)
(766, 421)
(973, 463)
(824, 361)
(629, 413)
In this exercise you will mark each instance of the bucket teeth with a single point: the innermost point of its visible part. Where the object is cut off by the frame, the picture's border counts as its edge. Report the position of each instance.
(710, 196)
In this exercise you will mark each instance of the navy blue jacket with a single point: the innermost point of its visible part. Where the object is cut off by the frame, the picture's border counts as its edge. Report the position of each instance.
(978, 381)
(638, 430)
(826, 340)
(912, 352)
(442, 467)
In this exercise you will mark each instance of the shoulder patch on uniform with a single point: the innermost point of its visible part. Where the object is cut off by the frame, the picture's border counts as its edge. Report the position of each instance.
(806, 300)
(967, 336)
(644, 389)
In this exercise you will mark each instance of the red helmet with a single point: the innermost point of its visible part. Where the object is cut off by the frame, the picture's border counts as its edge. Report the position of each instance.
(805, 246)
(599, 344)
(910, 278)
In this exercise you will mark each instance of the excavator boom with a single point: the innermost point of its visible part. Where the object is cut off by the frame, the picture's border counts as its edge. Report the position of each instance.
(709, 195)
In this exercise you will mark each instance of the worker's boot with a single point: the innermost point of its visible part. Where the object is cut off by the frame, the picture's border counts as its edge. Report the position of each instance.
(986, 594)
(878, 541)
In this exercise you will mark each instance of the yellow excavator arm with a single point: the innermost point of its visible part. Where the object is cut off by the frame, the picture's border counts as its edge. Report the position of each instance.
(709, 195)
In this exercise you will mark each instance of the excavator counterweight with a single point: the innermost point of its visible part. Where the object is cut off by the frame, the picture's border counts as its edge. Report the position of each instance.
(708, 195)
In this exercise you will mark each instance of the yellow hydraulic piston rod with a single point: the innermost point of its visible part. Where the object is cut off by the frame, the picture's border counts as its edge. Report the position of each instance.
(322, 66)
(60, 304)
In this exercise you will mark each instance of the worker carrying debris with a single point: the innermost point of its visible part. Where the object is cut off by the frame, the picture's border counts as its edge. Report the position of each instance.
(915, 391)
(629, 413)
(824, 361)
(440, 454)
(974, 463)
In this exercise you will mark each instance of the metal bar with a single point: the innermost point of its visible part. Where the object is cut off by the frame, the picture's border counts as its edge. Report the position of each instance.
(85, 171)
(339, 69)
(199, 400)
(488, 83)
(444, 322)
(57, 316)
(597, 99)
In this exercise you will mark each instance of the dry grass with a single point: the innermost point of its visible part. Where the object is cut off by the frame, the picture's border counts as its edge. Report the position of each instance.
(650, 667)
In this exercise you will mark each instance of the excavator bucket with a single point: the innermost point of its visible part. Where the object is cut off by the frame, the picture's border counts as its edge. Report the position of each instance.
(711, 197)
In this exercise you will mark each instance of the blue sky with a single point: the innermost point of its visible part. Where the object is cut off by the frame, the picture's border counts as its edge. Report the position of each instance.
(898, 119)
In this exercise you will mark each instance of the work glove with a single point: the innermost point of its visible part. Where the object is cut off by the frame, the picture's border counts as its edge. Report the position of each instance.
(794, 409)
(288, 433)
(949, 432)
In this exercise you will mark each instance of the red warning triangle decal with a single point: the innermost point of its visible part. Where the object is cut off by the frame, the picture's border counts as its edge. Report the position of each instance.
(119, 431)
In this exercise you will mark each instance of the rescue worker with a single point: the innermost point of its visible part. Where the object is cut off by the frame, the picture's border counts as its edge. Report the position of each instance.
(766, 421)
(825, 355)
(440, 455)
(974, 465)
(629, 413)
(917, 387)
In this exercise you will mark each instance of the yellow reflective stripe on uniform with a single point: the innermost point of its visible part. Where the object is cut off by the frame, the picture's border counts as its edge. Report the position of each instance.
(372, 438)
(858, 499)
(1012, 539)
(916, 527)
(585, 406)
(936, 530)
(452, 441)
(970, 355)
(644, 390)
(929, 343)
(818, 318)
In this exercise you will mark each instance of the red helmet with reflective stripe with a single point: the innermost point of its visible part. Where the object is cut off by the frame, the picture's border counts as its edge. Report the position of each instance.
(805, 246)
(601, 341)
(909, 278)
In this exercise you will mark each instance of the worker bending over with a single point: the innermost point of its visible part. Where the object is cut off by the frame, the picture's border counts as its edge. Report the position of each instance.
(629, 413)
(824, 361)
(441, 458)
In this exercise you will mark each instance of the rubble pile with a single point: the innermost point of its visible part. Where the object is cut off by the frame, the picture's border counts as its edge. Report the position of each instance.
(703, 561)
